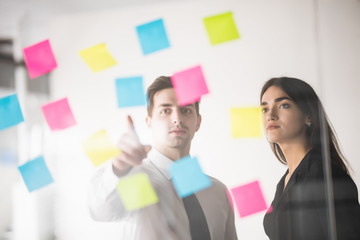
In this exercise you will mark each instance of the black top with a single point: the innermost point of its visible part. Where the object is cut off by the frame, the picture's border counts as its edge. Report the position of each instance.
(300, 212)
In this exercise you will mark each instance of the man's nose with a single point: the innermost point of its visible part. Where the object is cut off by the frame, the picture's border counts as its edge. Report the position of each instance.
(176, 116)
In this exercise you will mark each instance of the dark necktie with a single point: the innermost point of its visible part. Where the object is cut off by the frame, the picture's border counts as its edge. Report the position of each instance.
(198, 225)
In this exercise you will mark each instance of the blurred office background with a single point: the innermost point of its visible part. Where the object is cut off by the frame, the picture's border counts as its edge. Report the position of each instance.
(314, 40)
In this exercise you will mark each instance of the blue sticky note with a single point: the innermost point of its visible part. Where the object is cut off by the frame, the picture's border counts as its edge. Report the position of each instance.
(8, 157)
(10, 112)
(130, 92)
(35, 174)
(188, 177)
(152, 36)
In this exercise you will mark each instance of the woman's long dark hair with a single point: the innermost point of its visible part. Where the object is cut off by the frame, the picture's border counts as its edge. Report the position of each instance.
(309, 103)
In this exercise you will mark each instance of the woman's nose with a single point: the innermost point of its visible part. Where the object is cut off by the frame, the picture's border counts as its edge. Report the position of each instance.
(272, 114)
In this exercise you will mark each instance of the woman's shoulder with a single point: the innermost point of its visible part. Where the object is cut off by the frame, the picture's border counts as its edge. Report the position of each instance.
(342, 181)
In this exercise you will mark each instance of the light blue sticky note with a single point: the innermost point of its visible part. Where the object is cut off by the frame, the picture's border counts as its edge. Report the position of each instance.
(35, 174)
(8, 157)
(10, 112)
(152, 36)
(188, 177)
(130, 92)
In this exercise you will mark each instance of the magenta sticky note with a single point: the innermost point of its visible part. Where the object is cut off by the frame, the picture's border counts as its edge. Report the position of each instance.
(189, 85)
(249, 199)
(39, 59)
(58, 114)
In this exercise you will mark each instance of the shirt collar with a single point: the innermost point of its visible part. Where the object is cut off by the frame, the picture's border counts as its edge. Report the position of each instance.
(161, 162)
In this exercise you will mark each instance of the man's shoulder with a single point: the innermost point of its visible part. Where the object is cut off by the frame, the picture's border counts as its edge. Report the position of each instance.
(217, 184)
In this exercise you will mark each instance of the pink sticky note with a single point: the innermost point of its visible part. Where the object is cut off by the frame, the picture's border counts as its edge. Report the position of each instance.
(58, 114)
(249, 199)
(189, 85)
(39, 59)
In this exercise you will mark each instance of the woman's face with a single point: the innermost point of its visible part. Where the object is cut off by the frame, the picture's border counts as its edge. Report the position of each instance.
(283, 120)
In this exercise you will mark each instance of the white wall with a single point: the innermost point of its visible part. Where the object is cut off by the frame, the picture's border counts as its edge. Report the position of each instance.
(277, 38)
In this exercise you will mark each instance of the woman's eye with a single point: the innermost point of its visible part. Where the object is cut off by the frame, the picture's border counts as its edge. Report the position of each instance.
(264, 110)
(285, 105)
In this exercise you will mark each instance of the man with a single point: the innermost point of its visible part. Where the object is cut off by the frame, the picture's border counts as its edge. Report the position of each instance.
(173, 128)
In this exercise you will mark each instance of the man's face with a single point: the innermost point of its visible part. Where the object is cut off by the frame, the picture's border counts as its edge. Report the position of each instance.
(173, 126)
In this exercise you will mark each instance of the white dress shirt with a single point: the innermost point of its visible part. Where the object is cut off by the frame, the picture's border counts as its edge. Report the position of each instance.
(166, 219)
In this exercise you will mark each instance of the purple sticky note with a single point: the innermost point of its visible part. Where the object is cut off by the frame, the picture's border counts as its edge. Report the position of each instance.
(58, 114)
(39, 59)
(249, 199)
(189, 85)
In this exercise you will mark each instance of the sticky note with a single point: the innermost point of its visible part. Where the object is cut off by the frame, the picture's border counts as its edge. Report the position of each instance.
(39, 59)
(98, 57)
(221, 28)
(10, 112)
(130, 92)
(245, 122)
(58, 114)
(189, 85)
(35, 174)
(99, 148)
(188, 177)
(8, 157)
(136, 192)
(249, 199)
(152, 36)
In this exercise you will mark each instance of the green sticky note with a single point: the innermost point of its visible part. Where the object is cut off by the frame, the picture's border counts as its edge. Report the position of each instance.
(221, 28)
(136, 192)
(245, 122)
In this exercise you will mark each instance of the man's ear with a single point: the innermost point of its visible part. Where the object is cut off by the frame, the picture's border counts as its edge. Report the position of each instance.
(148, 121)
(198, 122)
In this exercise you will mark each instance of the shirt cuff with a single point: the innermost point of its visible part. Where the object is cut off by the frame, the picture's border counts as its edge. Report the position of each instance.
(110, 180)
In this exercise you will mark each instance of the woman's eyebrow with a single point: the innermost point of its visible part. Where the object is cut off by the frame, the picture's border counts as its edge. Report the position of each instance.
(276, 100)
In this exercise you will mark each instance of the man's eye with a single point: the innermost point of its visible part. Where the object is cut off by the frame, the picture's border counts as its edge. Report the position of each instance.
(264, 110)
(165, 111)
(187, 111)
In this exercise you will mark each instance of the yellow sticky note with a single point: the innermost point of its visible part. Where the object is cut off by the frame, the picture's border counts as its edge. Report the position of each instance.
(221, 28)
(136, 192)
(97, 57)
(99, 148)
(245, 122)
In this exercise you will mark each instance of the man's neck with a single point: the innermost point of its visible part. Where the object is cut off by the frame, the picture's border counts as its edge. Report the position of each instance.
(172, 153)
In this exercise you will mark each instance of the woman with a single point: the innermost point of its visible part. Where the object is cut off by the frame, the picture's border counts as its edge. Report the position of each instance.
(291, 120)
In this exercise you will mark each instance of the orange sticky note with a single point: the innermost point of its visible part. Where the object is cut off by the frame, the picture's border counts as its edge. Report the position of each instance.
(245, 122)
(99, 148)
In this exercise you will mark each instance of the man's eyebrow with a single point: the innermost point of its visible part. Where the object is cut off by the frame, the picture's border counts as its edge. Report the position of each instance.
(189, 105)
(165, 105)
(277, 100)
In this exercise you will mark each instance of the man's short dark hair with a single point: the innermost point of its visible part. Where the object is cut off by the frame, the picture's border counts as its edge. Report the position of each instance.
(160, 83)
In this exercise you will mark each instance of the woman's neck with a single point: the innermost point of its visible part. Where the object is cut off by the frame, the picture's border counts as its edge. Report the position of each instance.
(294, 153)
